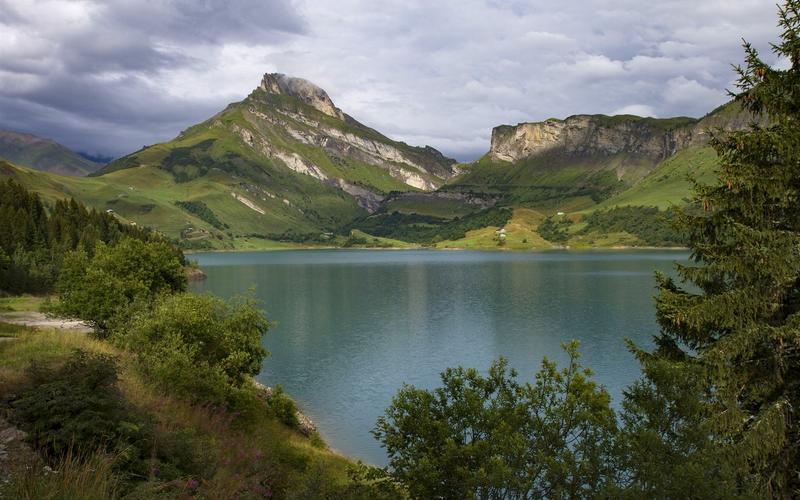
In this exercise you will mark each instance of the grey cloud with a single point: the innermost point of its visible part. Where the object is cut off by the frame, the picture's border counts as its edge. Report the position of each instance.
(442, 73)
(95, 74)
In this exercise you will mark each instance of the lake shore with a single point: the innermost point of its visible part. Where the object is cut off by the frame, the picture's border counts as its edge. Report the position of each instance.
(443, 249)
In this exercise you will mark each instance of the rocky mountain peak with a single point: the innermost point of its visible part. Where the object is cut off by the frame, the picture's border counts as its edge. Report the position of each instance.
(305, 91)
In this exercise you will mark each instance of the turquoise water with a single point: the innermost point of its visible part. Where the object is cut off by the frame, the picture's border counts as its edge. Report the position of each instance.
(353, 325)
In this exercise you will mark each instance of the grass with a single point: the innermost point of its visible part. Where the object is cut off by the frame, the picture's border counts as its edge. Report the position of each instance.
(40, 346)
(11, 330)
(669, 184)
(74, 476)
(262, 450)
(21, 303)
(520, 235)
(378, 241)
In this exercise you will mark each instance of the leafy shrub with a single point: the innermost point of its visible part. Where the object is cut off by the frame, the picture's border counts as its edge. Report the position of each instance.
(198, 347)
(372, 483)
(491, 437)
(181, 452)
(76, 408)
(117, 278)
(283, 407)
(554, 229)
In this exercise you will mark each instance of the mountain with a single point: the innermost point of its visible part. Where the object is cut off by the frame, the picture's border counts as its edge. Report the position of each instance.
(583, 160)
(287, 165)
(283, 161)
(43, 154)
(290, 126)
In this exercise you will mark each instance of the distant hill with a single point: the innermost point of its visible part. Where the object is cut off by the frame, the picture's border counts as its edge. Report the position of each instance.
(43, 154)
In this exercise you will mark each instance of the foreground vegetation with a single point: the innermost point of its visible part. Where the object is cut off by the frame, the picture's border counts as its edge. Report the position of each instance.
(159, 401)
(105, 431)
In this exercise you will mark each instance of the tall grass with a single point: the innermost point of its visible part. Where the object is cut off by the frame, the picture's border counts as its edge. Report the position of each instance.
(74, 477)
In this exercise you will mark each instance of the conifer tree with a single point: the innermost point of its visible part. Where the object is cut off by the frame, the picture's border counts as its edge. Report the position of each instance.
(721, 392)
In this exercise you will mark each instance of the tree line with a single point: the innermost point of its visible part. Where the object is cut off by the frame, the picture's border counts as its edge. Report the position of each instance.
(34, 238)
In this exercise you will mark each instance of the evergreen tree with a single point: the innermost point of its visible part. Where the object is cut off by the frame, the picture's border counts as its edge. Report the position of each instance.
(35, 240)
(721, 392)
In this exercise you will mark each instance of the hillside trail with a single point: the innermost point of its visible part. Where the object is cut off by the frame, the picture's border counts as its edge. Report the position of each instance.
(40, 320)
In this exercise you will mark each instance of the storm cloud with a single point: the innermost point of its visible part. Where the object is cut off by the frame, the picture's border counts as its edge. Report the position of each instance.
(108, 76)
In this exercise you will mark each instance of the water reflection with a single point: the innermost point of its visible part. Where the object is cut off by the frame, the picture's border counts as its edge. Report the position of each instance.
(353, 326)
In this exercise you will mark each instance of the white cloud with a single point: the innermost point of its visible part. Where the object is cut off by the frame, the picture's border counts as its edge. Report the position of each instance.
(636, 109)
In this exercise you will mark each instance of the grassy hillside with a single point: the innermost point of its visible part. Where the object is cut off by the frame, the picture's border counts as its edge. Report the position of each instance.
(548, 180)
(43, 154)
(669, 184)
(147, 196)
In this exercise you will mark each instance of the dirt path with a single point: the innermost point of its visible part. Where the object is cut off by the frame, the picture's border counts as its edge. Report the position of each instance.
(40, 320)
(14, 451)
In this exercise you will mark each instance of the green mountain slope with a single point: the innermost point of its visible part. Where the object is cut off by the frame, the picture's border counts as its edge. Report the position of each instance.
(43, 154)
(669, 184)
(289, 129)
(284, 160)
(150, 197)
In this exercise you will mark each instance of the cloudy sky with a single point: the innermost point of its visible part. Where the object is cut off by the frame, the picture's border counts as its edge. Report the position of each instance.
(108, 76)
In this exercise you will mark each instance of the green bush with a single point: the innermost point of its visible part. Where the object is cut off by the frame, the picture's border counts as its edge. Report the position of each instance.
(283, 407)
(119, 277)
(490, 436)
(554, 229)
(77, 412)
(77, 408)
(198, 347)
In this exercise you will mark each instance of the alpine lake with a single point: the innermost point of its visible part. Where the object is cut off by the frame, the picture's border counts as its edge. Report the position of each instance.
(350, 327)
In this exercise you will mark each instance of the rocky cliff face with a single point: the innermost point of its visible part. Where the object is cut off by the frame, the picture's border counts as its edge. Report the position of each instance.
(592, 135)
(604, 136)
(420, 168)
(278, 83)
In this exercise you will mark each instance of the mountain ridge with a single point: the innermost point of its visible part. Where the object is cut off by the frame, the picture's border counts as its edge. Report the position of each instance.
(286, 164)
(43, 154)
